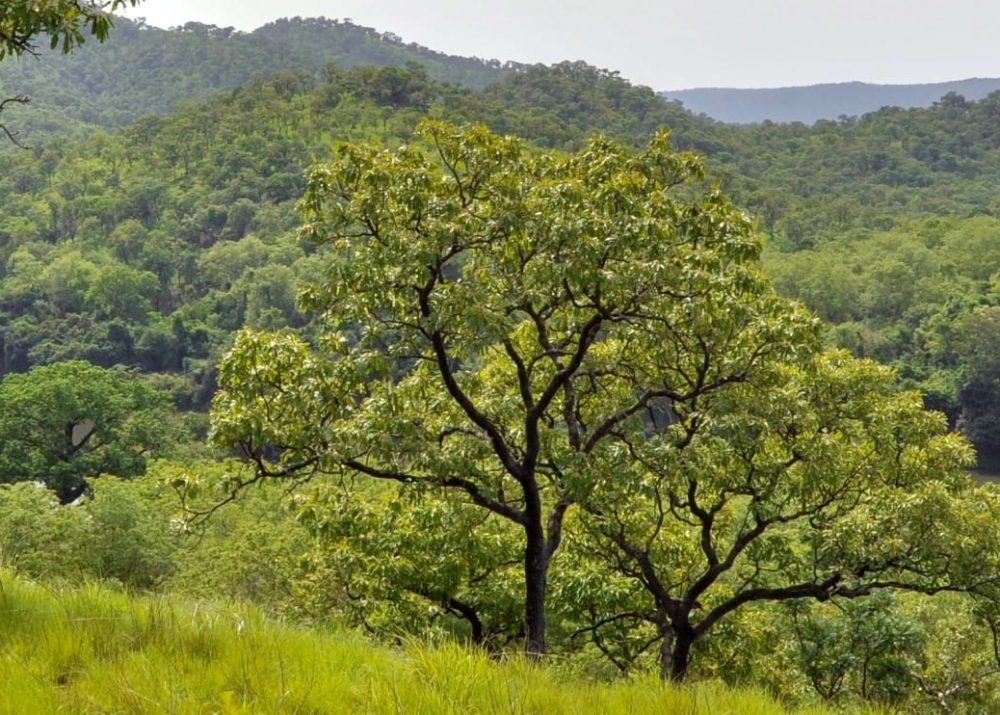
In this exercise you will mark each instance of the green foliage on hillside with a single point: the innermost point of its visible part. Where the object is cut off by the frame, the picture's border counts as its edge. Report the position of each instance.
(811, 185)
(149, 247)
(137, 214)
(887, 228)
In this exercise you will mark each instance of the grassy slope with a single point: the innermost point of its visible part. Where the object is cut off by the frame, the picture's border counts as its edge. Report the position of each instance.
(95, 650)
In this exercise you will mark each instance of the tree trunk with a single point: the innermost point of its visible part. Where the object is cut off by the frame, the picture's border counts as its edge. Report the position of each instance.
(680, 656)
(535, 577)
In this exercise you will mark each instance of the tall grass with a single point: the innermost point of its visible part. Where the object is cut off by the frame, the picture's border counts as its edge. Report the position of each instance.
(95, 650)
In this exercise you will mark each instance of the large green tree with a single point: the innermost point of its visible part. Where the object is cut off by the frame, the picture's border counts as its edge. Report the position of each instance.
(493, 319)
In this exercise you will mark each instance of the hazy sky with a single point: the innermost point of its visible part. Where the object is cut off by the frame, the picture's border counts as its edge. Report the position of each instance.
(669, 45)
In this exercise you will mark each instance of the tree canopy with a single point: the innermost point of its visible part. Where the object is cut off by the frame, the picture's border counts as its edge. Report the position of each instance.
(63, 423)
(504, 324)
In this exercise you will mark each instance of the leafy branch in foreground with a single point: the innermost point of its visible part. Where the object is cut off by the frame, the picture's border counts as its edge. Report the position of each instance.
(63, 22)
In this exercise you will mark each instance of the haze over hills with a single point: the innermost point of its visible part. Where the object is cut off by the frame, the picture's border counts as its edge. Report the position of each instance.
(820, 101)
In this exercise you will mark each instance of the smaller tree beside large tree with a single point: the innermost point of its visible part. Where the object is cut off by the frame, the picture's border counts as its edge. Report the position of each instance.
(818, 479)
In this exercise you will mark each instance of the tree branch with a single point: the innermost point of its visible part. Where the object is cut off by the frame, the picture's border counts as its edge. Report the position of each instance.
(500, 446)
(555, 527)
(633, 615)
(562, 376)
(523, 378)
(471, 488)
(12, 136)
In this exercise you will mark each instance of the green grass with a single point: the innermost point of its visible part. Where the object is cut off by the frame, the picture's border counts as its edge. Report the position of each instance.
(95, 650)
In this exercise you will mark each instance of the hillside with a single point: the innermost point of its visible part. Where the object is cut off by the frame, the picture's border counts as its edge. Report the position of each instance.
(820, 101)
(506, 345)
(147, 70)
(166, 201)
(150, 246)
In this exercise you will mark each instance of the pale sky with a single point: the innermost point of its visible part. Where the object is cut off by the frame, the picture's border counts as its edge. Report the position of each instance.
(670, 44)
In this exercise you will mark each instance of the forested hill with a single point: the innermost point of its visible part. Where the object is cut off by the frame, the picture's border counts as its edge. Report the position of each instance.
(147, 70)
(820, 101)
(151, 245)
(466, 351)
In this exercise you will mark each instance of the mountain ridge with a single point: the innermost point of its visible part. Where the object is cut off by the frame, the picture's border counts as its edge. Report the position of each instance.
(194, 60)
(165, 66)
(830, 101)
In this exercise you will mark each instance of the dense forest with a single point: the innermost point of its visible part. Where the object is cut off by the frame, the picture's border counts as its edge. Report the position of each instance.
(197, 182)
(209, 281)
